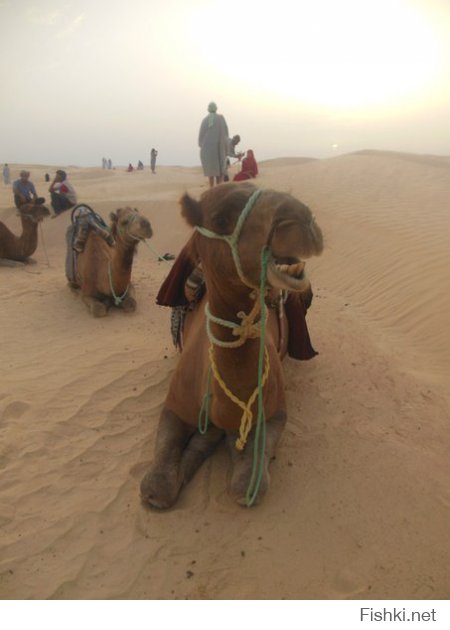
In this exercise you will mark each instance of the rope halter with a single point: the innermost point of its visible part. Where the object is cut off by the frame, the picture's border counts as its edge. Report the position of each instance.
(233, 238)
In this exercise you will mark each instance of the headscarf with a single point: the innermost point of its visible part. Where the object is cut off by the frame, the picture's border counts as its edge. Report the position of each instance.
(212, 108)
(62, 174)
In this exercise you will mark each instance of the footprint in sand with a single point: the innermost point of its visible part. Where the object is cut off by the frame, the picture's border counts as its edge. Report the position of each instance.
(15, 410)
(349, 584)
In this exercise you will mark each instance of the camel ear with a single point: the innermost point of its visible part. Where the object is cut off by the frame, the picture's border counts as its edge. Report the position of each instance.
(191, 210)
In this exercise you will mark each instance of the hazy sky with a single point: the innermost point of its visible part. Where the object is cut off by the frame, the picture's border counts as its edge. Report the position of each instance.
(83, 79)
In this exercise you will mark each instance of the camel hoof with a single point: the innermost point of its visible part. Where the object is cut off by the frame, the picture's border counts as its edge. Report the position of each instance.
(98, 309)
(239, 486)
(129, 305)
(159, 489)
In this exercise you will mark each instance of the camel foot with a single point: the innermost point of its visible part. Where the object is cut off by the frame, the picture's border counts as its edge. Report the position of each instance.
(240, 479)
(129, 305)
(160, 488)
(242, 462)
(6, 262)
(30, 261)
(98, 309)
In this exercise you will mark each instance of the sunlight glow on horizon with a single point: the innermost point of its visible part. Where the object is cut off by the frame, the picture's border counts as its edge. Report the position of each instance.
(293, 78)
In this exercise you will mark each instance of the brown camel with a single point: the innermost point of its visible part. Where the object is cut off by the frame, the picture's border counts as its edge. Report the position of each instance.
(221, 356)
(103, 272)
(20, 248)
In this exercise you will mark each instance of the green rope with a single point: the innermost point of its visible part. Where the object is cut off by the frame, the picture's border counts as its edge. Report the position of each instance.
(203, 416)
(259, 444)
(159, 257)
(118, 299)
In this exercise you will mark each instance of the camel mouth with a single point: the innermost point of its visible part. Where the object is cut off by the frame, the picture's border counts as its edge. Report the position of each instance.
(287, 273)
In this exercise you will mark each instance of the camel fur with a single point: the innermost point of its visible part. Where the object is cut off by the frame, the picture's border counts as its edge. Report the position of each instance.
(288, 228)
(20, 248)
(104, 270)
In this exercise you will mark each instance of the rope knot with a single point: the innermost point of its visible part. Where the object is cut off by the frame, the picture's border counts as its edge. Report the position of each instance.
(247, 329)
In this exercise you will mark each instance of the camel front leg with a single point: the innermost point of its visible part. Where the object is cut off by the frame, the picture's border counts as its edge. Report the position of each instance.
(161, 485)
(242, 461)
(198, 449)
(129, 304)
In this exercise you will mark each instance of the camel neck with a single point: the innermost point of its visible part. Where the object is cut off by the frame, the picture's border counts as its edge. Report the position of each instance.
(121, 264)
(29, 237)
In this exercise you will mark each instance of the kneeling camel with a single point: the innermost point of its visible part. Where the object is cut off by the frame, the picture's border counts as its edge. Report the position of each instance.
(20, 248)
(103, 271)
(249, 242)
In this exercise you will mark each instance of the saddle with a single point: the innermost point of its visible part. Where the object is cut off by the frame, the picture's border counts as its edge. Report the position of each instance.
(83, 221)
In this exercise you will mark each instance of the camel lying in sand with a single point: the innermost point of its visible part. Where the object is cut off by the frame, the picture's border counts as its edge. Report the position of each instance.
(20, 248)
(103, 271)
(228, 351)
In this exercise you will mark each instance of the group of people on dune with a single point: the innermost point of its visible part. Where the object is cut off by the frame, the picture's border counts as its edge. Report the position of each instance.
(62, 192)
(216, 149)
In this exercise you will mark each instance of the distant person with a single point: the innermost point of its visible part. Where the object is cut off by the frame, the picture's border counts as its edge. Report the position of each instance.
(104, 163)
(153, 156)
(130, 168)
(231, 153)
(25, 192)
(109, 164)
(213, 143)
(47, 177)
(249, 168)
(140, 166)
(62, 192)
(6, 175)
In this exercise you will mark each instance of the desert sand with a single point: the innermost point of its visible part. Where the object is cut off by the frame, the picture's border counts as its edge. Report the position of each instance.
(359, 506)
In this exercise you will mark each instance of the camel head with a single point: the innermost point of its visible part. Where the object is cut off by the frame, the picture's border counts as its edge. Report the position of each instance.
(34, 212)
(269, 219)
(129, 226)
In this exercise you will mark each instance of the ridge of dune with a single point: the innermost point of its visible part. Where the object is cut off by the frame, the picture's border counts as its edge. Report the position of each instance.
(359, 502)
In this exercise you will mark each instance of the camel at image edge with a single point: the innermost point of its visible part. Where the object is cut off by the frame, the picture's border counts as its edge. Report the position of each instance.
(20, 248)
(103, 271)
(286, 226)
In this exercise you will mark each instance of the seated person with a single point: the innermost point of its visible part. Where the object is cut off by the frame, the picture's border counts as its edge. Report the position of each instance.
(140, 166)
(25, 192)
(130, 168)
(249, 168)
(62, 192)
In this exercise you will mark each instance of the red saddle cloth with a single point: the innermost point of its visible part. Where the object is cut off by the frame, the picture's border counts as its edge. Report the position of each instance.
(171, 294)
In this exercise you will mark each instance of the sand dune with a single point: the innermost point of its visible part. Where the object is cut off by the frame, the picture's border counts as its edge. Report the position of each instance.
(359, 506)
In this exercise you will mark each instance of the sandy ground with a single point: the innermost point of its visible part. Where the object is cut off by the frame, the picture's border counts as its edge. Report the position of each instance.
(359, 506)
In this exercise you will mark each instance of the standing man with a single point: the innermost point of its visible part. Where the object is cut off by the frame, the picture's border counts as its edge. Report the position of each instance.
(62, 192)
(213, 143)
(153, 154)
(6, 175)
(25, 192)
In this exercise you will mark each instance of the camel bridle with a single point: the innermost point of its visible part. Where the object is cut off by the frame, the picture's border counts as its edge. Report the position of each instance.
(233, 238)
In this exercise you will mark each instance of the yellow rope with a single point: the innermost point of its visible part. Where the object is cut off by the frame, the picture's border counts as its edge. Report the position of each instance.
(247, 415)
